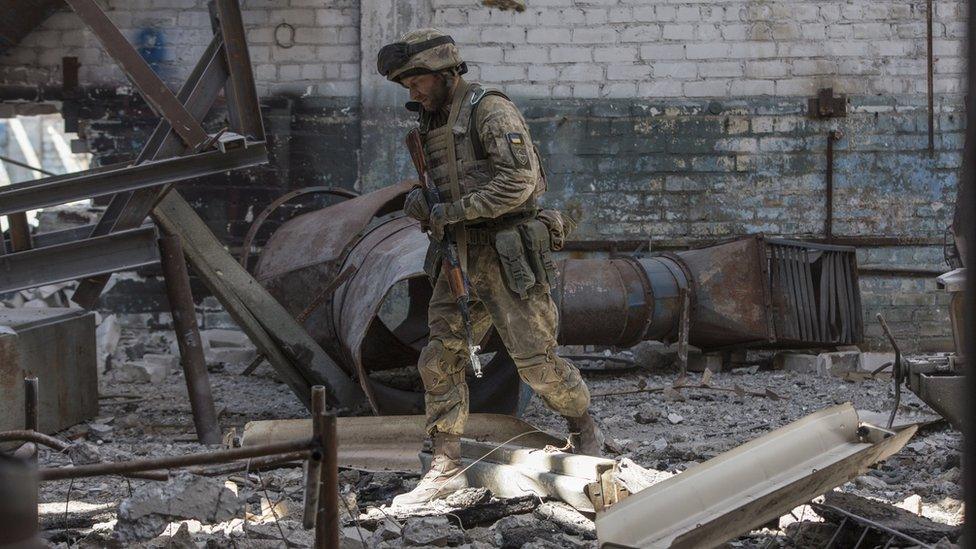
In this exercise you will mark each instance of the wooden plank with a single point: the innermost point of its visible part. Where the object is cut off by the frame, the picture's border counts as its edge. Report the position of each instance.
(288, 347)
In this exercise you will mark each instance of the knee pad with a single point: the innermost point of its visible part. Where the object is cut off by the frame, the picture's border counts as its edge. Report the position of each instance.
(439, 368)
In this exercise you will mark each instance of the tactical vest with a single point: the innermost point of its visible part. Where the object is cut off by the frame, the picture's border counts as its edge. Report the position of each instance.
(474, 168)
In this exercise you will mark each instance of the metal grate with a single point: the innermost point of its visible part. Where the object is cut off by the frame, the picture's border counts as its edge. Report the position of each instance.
(814, 293)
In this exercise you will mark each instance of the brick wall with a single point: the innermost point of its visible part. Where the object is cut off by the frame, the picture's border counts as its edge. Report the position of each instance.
(658, 120)
(298, 46)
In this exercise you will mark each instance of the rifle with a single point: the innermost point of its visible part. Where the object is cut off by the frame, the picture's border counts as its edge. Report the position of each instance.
(451, 264)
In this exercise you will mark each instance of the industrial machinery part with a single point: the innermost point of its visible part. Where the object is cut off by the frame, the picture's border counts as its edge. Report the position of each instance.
(751, 292)
(58, 347)
(751, 484)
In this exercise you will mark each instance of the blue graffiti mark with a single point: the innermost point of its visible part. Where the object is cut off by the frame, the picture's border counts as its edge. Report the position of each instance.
(151, 45)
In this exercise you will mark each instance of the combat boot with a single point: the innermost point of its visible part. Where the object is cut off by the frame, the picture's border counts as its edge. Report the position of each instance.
(443, 478)
(585, 435)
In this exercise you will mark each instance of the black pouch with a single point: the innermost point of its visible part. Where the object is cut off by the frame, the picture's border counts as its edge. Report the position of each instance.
(538, 250)
(432, 262)
(511, 252)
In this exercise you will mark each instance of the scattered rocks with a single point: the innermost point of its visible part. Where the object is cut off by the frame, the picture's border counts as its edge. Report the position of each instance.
(145, 514)
(517, 531)
(141, 372)
(647, 414)
(431, 532)
(675, 418)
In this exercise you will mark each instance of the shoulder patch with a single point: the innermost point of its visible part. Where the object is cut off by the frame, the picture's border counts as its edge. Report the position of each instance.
(516, 143)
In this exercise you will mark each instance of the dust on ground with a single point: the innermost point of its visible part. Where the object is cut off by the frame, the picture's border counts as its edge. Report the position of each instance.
(658, 430)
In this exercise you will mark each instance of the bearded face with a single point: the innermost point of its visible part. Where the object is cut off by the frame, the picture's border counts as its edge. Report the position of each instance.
(430, 90)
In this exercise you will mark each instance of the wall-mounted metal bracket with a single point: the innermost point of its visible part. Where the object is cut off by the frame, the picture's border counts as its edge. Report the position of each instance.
(827, 105)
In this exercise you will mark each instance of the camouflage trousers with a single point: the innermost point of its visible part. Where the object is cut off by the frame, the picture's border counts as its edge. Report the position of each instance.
(527, 328)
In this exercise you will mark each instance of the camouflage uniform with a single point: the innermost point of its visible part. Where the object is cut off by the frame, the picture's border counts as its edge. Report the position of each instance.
(503, 184)
(481, 157)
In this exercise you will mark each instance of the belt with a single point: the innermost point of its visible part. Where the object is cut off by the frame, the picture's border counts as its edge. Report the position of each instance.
(483, 233)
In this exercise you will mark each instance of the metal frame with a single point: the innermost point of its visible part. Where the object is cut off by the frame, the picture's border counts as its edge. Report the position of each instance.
(81, 258)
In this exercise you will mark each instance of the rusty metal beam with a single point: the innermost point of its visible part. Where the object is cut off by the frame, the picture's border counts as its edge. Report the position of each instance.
(188, 338)
(152, 88)
(289, 348)
(40, 193)
(242, 98)
(115, 252)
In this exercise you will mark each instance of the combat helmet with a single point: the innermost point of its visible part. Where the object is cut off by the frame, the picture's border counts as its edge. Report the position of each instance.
(419, 52)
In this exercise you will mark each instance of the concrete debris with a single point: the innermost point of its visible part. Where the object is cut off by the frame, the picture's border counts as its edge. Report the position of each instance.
(170, 362)
(567, 518)
(675, 418)
(654, 355)
(647, 414)
(145, 514)
(520, 530)
(634, 478)
(141, 372)
(216, 339)
(84, 453)
(107, 337)
(229, 355)
(431, 532)
(100, 431)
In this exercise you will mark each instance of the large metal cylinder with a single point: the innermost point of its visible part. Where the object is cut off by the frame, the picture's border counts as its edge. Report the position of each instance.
(748, 292)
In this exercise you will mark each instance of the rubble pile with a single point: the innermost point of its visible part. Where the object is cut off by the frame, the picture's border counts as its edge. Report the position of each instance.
(655, 434)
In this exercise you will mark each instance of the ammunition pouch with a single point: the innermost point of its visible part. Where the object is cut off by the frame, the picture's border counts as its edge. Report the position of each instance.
(538, 251)
(517, 271)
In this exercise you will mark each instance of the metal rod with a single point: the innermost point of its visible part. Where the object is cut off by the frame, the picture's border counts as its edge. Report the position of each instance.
(683, 330)
(30, 402)
(327, 511)
(28, 435)
(898, 370)
(832, 136)
(867, 522)
(188, 338)
(930, 61)
(9, 160)
(172, 462)
(836, 534)
(313, 467)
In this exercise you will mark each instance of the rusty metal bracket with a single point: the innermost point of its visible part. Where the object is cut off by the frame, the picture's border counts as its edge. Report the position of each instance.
(827, 105)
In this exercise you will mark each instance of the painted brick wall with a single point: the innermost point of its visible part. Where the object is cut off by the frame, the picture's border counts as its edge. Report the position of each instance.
(681, 49)
(658, 120)
(321, 57)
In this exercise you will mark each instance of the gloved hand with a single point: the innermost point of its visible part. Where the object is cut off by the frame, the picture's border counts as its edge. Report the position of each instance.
(415, 205)
(442, 215)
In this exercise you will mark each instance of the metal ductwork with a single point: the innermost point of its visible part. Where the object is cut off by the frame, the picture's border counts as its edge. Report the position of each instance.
(752, 292)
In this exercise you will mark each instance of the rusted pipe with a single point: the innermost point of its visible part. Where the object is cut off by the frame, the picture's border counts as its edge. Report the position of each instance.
(327, 503)
(188, 337)
(29, 435)
(930, 73)
(30, 403)
(173, 462)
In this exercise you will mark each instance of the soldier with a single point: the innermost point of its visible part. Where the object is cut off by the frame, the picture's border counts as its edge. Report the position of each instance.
(481, 157)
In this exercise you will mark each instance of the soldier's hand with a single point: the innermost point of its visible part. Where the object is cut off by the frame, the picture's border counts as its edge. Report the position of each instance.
(442, 215)
(415, 205)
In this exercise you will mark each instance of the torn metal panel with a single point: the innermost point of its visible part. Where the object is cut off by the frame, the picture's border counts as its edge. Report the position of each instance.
(393, 443)
(750, 485)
